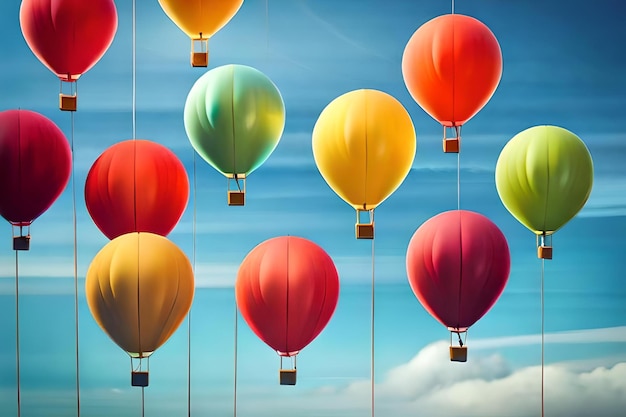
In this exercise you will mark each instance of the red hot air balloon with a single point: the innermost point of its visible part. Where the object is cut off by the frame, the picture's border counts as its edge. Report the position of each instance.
(68, 36)
(452, 65)
(287, 290)
(458, 264)
(35, 167)
(136, 186)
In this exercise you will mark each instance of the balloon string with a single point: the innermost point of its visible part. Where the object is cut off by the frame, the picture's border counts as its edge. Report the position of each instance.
(232, 115)
(135, 193)
(372, 332)
(193, 258)
(143, 409)
(267, 28)
(235, 361)
(134, 116)
(17, 333)
(74, 222)
(543, 263)
(458, 176)
(452, 6)
(134, 73)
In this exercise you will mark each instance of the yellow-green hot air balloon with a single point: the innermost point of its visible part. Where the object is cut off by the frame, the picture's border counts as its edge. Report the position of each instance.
(234, 118)
(544, 177)
(200, 19)
(364, 145)
(139, 289)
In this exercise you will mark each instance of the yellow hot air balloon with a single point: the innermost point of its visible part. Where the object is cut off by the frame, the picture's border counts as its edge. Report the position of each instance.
(139, 289)
(200, 19)
(364, 144)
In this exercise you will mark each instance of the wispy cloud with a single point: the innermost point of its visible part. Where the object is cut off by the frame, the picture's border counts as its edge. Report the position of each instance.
(42, 266)
(607, 199)
(602, 335)
(340, 35)
(214, 275)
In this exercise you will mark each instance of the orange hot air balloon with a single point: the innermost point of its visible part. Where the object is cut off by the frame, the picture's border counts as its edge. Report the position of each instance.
(139, 288)
(200, 20)
(452, 66)
(136, 186)
(68, 36)
(287, 290)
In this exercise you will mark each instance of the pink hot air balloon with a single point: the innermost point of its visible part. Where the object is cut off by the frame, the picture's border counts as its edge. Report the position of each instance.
(458, 264)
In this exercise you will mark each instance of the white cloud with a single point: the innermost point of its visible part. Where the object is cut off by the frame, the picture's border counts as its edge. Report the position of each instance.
(485, 386)
(429, 384)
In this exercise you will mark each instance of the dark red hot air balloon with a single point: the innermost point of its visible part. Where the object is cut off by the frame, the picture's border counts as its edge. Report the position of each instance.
(287, 290)
(136, 186)
(35, 167)
(68, 36)
(458, 264)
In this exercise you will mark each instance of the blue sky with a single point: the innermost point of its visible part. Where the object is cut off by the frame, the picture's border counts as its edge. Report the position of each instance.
(562, 66)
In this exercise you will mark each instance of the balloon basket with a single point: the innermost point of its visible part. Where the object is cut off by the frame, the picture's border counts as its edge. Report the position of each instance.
(139, 375)
(67, 102)
(287, 376)
(458, 353)
(21, 242)
(200, 58)
(237, 197)
(544, 252)
(139, 378)
(544, 246)
(364, 230)
(452, 145)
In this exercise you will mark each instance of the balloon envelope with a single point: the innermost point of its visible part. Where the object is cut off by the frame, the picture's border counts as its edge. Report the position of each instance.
(68, 36)
(35, 165)
(544, 176)
(139, 289)
(234, 118)
(458, 264)
(364, 145)
(136, 186)
(200, 18)
(452, 66)
(287, 290)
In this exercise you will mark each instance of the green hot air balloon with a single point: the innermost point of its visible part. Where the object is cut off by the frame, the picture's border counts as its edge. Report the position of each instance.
(234, 118)
(544, 176)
